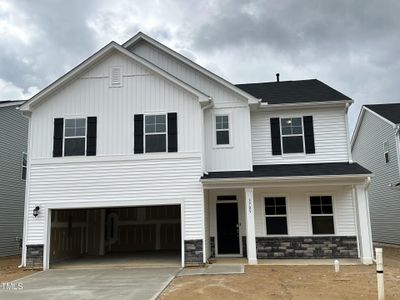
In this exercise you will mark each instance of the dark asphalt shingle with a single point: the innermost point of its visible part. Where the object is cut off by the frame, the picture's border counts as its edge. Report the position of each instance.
(390, 111)
(311, 90)
(289, 170)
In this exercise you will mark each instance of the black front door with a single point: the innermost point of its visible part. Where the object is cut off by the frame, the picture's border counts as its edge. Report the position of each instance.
(228, 228)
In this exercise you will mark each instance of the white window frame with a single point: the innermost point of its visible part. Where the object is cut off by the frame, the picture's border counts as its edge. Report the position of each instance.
(72, 137)
(155, 133)
(386, 152)
(22, 166)
(333, 215)
(269, 216)
(221, 114)
(292, 135)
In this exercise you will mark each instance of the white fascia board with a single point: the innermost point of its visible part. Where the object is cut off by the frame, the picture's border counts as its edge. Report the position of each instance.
(12, 103)
(297, 105)
(141, 36)
(85, 65)
(287, 179)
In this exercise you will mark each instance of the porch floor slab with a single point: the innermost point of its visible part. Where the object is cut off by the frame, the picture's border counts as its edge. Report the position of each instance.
(122, 260)
(213, 270)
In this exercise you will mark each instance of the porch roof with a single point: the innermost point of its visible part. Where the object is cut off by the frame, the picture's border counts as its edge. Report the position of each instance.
(293, 170)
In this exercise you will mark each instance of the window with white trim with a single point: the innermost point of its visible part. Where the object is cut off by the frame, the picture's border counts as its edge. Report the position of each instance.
(275, 215)
(75, 137)
(292, 135)
(322, 215)
(155, 133)
(222, 129)
(386, 151)
(24, 165)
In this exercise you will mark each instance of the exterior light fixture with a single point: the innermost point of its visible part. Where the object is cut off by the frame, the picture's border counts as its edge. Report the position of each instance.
(36, 211)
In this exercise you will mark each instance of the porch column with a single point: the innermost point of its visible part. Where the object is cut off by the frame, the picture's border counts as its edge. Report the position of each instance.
(364, 224)
(250, 227)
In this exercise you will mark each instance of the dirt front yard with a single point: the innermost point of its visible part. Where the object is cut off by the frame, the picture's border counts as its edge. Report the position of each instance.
(9, 270)
(291, 282)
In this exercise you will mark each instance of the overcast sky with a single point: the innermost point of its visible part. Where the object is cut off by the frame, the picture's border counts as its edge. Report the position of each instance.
(353, 46)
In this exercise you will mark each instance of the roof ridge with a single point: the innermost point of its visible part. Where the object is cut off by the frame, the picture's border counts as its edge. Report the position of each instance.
(263, 82)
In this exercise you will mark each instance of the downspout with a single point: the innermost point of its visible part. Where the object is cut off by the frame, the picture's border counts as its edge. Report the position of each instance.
(346, 121)
(203, 154)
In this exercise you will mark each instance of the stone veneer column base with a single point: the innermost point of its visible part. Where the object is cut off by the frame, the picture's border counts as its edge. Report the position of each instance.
(307, 247)
(34, 256)
(193, 252)
(212, 246)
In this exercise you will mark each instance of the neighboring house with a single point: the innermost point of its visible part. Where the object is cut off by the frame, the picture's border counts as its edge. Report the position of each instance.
(13, 149)
(140, 149)
(375, 144)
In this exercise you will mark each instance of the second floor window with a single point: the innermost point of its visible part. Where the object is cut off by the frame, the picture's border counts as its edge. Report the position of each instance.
(24, 165)
(292, 135)
(75, 137)
(222, 130)
(386, 151)
(155, 133)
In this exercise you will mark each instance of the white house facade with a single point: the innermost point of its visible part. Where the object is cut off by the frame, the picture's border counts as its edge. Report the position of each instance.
(140, 149)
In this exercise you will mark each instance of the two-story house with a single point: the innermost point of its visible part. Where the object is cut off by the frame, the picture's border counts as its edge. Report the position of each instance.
(376, 145)
(13, 166)
(140, 150)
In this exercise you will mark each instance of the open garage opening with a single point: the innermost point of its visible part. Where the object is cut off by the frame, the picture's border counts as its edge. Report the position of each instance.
(116, 236)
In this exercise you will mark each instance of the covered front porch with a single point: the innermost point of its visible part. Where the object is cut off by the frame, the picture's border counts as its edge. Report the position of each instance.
(312, 217)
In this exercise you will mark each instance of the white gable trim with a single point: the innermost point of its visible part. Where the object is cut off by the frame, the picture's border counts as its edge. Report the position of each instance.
(359, 121)
(141, 36)
(95, 58)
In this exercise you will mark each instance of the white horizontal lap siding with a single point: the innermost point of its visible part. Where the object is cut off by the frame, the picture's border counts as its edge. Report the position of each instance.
(89, 184)
(329, 135)
(141, 92)
(298, 209)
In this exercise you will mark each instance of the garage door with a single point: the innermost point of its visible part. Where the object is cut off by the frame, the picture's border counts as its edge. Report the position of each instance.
(145, 233)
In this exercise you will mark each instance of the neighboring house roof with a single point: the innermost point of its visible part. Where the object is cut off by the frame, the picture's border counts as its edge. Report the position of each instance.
(293, 170)
(141, 36)
(4, 103)
(390, 111)
(311, 90)
(98, 56)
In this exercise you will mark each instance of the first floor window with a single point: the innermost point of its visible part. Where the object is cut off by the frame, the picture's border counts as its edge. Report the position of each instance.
(155, 133)
(75, 137)
(292, 135)
(275, 214)
(322, 214)
(222, 129)
(24, 165)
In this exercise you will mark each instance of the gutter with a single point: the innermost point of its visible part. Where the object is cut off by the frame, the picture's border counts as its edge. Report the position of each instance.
(304, 104)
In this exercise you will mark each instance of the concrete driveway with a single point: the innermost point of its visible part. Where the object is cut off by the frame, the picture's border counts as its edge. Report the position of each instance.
(116, 283)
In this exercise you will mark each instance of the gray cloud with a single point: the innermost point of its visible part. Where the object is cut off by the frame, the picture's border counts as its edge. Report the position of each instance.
(351, 45)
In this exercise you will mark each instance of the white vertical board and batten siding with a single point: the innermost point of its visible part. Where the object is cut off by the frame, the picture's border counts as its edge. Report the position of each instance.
(237, 157)
(329, 134)
(383, 201)
(116, 176)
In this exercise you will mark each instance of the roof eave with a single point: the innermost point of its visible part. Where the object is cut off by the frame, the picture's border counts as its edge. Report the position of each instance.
(266, 105)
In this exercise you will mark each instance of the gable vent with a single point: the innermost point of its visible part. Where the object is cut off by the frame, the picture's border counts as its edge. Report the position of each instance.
(115, 77)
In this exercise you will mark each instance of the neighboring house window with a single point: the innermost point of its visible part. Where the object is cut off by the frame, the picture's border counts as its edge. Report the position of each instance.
(24, 165)
(155, 133)
(275, 214)
(386, 151)
(322, 214)
(292, 135)
(222, 129)
(75, 137)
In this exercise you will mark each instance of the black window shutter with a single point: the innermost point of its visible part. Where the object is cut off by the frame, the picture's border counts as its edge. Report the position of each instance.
(58, 137)
(172, 132)
(309, 134)
(91, 136)
(275, 136)
(138, 134)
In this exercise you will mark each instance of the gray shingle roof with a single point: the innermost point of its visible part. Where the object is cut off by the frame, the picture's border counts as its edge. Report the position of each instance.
(290, 170)
(390, 111)
(311, 90)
